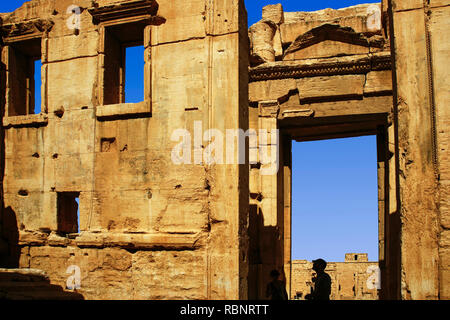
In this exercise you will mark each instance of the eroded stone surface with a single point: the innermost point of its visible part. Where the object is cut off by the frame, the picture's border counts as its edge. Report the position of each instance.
(151, 229)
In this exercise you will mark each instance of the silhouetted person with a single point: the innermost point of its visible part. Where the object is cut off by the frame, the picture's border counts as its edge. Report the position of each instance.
(322, 282)
(276, 289)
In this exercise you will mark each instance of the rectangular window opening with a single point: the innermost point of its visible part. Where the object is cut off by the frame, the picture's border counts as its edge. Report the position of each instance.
(24, 65)
(68, 213)
(124, 63)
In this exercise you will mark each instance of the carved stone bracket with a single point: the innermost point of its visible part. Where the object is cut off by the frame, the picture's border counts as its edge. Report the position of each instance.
(269, 108)
(145, 9)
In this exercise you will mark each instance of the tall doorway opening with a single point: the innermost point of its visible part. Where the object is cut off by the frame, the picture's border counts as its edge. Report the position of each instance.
(335, 216)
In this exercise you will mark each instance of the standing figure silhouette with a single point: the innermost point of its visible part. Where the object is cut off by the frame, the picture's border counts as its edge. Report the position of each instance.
(322, 282)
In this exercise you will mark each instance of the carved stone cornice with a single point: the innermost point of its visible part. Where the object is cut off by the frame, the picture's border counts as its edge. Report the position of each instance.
(25, 29)
(322, 67)
(145, 9)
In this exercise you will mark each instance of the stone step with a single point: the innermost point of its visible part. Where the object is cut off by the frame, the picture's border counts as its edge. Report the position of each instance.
(11, 286)
(31, 284)
(24, 275)
(42, 295)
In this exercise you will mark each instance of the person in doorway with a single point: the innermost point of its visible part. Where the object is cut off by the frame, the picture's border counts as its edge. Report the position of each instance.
(276, 289)
(322, 282)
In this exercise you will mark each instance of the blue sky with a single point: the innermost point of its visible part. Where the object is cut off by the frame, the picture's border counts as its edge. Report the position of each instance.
(334, 198)
(334, 181)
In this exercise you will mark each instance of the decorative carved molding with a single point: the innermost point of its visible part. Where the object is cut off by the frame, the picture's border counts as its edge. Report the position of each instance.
(284, 71)
(26, 29)
(381, 63)
(146, 9)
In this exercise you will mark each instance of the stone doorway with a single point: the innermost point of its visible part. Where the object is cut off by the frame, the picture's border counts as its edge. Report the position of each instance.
(335, 216)
(297, 129)
(270, 224)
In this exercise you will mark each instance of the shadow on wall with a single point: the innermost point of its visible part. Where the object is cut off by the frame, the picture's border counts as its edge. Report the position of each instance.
(11, 254)
(263, 253)
(9, 233)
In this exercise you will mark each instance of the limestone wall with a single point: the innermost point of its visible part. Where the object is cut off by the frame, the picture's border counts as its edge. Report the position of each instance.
(149, 229)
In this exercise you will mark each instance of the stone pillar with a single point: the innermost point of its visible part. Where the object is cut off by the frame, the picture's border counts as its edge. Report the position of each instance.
(3, 244)
(228, 109)
(415, 111)
(439, 46)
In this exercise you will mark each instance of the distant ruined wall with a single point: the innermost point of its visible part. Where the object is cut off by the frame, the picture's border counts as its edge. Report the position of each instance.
(149, 228)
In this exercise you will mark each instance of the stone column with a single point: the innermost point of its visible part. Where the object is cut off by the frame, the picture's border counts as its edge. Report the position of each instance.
(415, 110)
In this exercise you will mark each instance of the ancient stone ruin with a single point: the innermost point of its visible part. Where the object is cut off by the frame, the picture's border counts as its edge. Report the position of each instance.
(152, 228)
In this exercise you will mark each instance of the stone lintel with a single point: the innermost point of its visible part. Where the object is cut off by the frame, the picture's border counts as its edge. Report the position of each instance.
(123, 110)
(160, 241)
(333, 86)
(142, 8)
(31, 120)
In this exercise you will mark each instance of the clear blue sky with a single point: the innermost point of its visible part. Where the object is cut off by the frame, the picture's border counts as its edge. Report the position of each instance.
(334, 181)
(334, 198)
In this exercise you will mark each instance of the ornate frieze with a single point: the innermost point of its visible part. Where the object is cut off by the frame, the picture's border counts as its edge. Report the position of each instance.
(301, 69)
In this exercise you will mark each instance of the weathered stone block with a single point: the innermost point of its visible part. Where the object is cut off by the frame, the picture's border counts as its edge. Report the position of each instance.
(406, 5)
(327, 48)
(273, 13)
(273, 89)
(378, 82)
(74, 46)
(79, 80)
(335, 86)
(182, 22)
